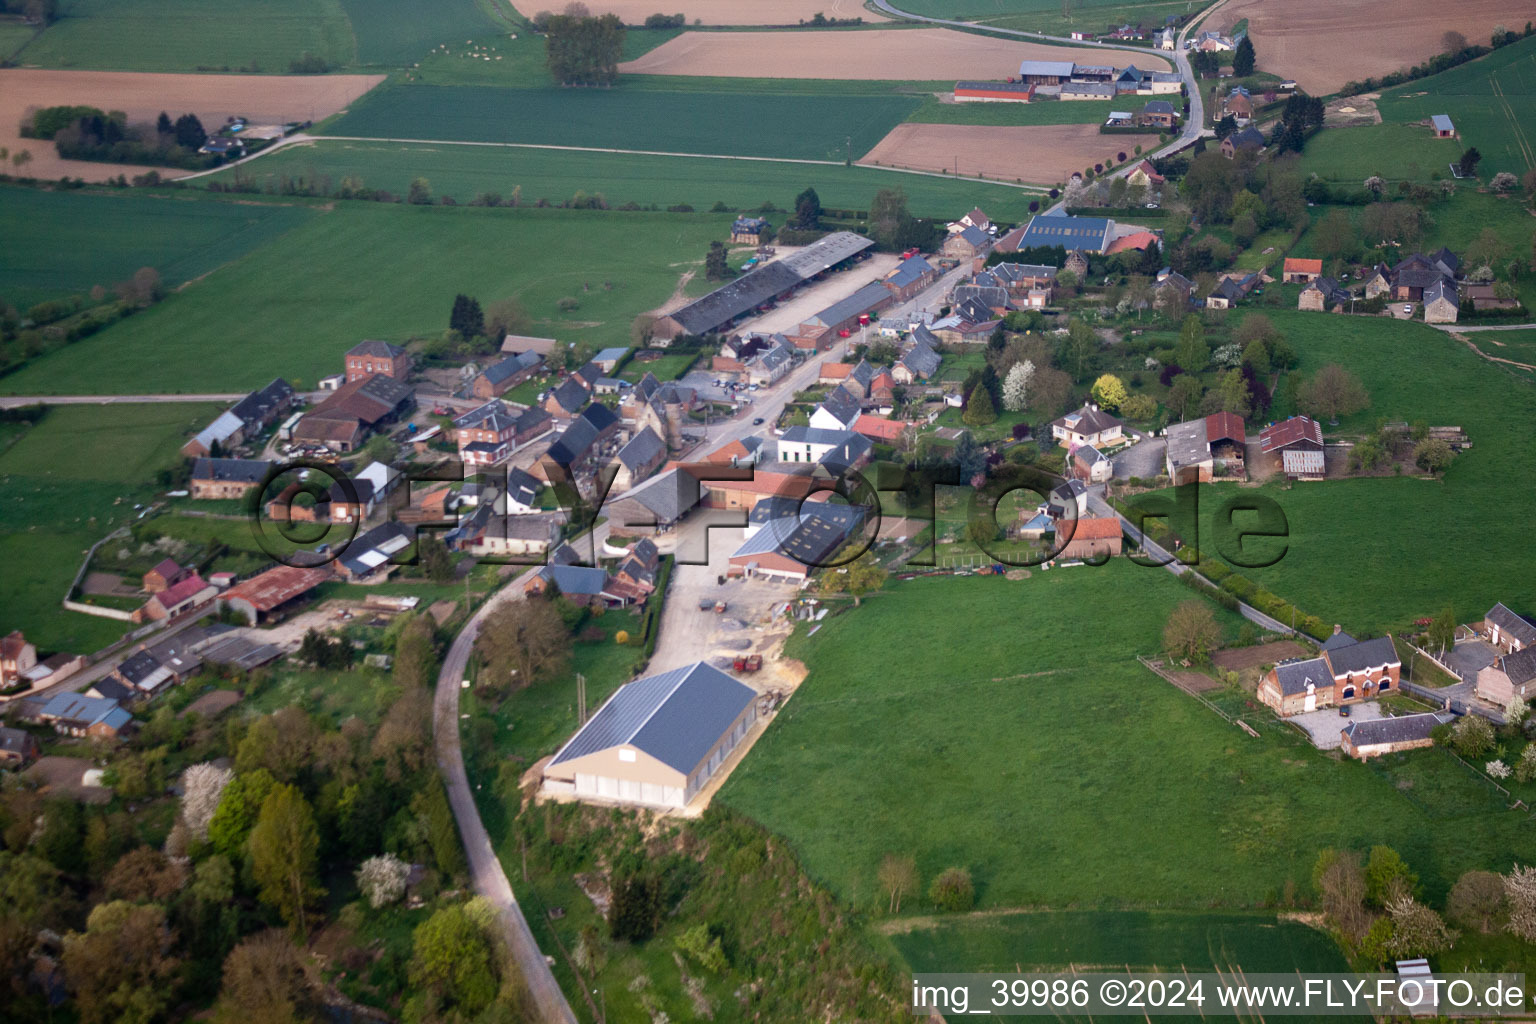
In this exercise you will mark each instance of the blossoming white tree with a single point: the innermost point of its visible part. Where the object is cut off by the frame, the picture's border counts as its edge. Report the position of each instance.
(202, 787)
(381, 879)
(1016, 386)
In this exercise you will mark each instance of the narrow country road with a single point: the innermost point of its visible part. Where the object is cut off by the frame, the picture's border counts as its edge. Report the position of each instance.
(1100, 507)
(1466, 328)
(300, 138)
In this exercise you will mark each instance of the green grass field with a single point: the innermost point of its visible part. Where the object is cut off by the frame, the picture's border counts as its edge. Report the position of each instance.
(66, 483)
(1492, 101)
(1517, 345)
(1050, 17)
(1142, 940)
(188, 35)
(13, 36)
(61, 243)
(391, 272)
(1459, 540)
(466, 171)
(814, 127)
(934, 111)
(399, 32)
(1012, 733)
(1395, 152)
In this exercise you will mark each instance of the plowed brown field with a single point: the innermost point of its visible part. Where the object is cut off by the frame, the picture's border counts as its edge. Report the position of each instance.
(213, 98)
(1044, 154)
(1324, 43)
(890, 54)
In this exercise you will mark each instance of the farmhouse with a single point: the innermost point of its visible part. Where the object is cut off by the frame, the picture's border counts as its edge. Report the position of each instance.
(18, 748)
(1442, 303)
(488, 534)
(1299, 443)
(911, 276)
(1238, 106)
(486, 435)
(658, 740)
(919, 363)
(1379, 736)
(717, 310)
(790, 547)
(580, 584)
(1507, 630)
(1158, 113)
(1197, 447)
(1145, 175)
(215, 479)
(968, 243)
(1322, 295)
(1090, 537)
(1088, 463)
(260, 409)
(821, 330)
(367, 358)
(816, 444)
(837, 411)
(653, 507)
(1249, 140)
(1087, 425)
(1511, 676)
(75, 714)
(1301, 271)
(187, 593)
(1346, 673)
(226, 431)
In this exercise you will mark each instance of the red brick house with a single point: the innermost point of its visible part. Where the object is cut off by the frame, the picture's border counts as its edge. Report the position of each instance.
(367, 358)
(1346, 671)
(163, 575)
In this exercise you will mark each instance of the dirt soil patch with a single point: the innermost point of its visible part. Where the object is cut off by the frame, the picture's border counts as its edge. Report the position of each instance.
(1322, 43)
(1042, 154)
(735, 12)
(212, 705)
(896, 54)
(60, 776)
(1235, 659)
(1195, 682)
(213, 98)
(1351, 111)
(107, 583)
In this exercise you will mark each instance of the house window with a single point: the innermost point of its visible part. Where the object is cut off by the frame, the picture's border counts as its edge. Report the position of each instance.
(1349, 691)
(1386, 683)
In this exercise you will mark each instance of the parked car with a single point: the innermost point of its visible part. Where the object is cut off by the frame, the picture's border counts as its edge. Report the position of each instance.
(757, 422)
(1408, 308)
(1343, 710)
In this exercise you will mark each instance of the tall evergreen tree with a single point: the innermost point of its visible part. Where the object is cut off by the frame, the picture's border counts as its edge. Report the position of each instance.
(808, 210)
(466, 317)
(1243, 59)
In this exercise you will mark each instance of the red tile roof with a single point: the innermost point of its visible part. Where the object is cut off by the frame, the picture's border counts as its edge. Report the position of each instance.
(1140, 240)
(878, 427)
(181, 591)
(1103, 528)
(1300, 266)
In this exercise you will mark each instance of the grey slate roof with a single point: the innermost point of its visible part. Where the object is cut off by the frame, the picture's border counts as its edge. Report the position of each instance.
(642, 449)
(1187, 443)
(251, 471)
(1294, 676)
(376, 349)
(1402, 729)
(676, 717)
(861, 301)
(1363, 656)
(1520, 667)
(511, 366)
(573, 445)
(666, 497)
(921, 359)
(909, 271)
(493, 415)
(260, 405)
(842, 405)
(522, 487)
(576, 579)
(1339, 639)
(570, 394)
(1517, 626)
(1091, 234)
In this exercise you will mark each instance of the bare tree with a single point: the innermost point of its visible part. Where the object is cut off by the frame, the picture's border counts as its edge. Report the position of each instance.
(1453, 42)
(523, 641)
(1341, 882)
(898, 876)
(1333, 392)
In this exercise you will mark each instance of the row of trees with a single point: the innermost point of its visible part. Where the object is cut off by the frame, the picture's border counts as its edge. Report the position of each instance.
(1374, 904)
(581, 49)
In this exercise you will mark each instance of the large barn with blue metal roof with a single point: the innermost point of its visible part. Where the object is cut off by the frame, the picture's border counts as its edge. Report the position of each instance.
(657, 741)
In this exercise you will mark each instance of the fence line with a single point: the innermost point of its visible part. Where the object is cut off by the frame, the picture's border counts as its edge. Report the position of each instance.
(1156, 667)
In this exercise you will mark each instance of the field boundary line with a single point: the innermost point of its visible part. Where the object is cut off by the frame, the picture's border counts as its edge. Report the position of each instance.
(303, 138)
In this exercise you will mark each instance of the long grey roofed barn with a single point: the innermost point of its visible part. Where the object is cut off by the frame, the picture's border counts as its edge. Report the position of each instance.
(676, 717)
(756, 287)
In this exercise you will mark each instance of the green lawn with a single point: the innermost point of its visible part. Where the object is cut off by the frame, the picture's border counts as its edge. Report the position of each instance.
(1375, 554)
(464, 172)
(934, 111)
(668, 367)
(1395, 152)
(366, 693)
(65, 484)
(194, 35)
(1050, 17)
(789, 124)
(1517, 345)
(1492, 101)
(59, 243)
(390, 272)
(1014, 734)
(13, 36)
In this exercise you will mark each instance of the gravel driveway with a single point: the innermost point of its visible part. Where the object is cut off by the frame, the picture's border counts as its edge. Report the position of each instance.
(1144, 459)
(1324, 726)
